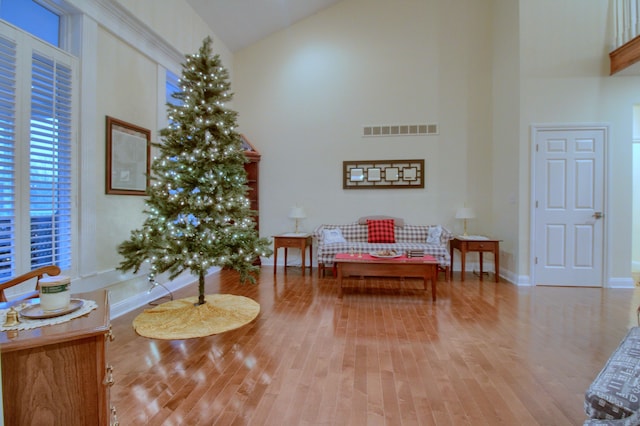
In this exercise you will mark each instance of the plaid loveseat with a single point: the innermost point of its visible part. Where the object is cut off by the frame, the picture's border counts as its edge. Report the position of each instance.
(407, 237)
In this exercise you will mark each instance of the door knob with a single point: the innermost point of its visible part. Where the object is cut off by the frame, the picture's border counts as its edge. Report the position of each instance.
(598, 215)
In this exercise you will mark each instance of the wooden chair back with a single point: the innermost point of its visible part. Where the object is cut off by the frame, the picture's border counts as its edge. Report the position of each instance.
(38, 273)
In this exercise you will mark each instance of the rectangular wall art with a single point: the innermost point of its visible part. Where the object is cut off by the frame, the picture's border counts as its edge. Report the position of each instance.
(382, 174)
(128, 158)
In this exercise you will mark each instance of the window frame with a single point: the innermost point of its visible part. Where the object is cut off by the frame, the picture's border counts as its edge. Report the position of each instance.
(27, 44)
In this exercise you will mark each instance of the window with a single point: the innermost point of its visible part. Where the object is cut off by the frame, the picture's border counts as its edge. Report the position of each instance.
(172, 86)
(50, 163)
(36, 141)
(33, 18)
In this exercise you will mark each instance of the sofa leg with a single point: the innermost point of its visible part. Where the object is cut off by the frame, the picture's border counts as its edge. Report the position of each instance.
(322, 270)
(444, 269)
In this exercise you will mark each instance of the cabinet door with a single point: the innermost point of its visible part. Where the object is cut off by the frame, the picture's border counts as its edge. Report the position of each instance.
(58, 384)
(252, 182)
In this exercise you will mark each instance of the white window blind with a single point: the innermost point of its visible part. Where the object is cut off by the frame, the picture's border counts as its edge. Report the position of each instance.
(7, 157)
(50, 162)
(36, 161)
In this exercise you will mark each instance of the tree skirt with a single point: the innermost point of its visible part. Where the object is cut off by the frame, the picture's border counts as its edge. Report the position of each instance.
(182, 319)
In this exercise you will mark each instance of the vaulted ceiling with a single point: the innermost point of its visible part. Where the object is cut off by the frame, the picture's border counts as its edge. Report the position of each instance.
(239, 23)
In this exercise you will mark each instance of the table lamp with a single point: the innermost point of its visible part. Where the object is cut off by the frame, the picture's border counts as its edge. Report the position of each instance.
(465, 213)
(297, 213)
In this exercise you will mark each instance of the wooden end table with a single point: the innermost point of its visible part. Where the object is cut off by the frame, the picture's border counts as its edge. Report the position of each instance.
(292, 240)
(366, 265)
(471, 244)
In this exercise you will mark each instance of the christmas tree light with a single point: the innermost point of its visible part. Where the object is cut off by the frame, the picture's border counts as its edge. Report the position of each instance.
(198, 213)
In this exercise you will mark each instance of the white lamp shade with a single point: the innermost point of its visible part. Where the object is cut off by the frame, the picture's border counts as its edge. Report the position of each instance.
(465, 213)
(297, 213)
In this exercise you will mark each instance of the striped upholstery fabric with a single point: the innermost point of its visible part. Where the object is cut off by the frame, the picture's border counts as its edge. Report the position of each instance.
(408, 237)
(615, 392)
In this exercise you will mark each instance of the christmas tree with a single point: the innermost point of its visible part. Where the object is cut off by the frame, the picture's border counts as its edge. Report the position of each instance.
(198, 214)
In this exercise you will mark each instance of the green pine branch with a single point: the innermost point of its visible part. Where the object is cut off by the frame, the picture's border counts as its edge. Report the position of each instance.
(198, 213)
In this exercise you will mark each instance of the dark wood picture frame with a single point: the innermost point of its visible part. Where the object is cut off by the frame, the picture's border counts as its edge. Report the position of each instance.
(128, 158)
(383, 174)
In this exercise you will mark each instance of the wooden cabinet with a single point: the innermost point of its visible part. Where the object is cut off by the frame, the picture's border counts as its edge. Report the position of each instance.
(253, 178)
(58, 374)
(299, 241)
(252, 169)
(466, 245)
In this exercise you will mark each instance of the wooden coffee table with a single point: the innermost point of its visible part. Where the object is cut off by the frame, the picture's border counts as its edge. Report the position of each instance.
(366, 265)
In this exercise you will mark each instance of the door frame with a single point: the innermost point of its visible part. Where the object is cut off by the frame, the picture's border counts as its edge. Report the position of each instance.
(534, 129)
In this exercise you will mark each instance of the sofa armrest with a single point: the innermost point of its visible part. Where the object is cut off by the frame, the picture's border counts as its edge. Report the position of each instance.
(317, 233)
(446, 236)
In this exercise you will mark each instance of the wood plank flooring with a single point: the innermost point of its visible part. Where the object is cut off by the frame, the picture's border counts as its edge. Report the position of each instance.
(484, 353)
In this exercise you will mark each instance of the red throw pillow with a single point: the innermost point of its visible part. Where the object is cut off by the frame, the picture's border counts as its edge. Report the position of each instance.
(381, 231)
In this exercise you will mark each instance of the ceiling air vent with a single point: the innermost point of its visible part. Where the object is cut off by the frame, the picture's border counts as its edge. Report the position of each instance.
(400, 130)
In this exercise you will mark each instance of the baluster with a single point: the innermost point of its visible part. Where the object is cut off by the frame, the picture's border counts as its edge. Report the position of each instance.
(618, 24)
(633, 19)
(637, 17)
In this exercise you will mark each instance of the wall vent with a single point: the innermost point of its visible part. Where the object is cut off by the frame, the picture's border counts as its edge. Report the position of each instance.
(400, 130)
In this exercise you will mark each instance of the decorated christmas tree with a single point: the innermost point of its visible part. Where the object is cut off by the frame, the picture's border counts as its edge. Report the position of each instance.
(198, 214)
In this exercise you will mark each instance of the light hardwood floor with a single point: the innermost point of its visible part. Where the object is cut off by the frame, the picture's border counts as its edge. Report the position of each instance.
(482, 354)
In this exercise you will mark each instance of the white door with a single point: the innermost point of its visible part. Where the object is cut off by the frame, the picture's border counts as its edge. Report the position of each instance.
(568, 206)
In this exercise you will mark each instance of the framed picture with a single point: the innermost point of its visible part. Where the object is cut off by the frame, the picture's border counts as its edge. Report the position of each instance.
(391, 174)
(128, 158)
(409, 173)
(383, 174)
(373, 174)
(357, 175)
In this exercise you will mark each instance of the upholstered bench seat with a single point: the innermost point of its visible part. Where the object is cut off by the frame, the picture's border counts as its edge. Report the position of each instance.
(615, 392)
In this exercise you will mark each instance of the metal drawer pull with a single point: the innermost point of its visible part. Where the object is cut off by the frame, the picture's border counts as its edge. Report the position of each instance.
(114, 417)
(110, 334)
(108, 380)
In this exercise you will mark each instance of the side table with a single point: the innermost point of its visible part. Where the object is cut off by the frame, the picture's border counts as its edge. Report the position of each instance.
(471, 244)
(293, 240)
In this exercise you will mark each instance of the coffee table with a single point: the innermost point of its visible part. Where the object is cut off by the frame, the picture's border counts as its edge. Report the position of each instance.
(365, 265)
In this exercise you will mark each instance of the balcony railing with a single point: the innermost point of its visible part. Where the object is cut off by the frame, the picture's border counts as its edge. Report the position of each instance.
(626, 45)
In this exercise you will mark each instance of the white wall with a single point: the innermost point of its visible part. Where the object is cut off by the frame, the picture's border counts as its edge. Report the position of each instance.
(303, 95)
(635, 230)
(564, 71)
(484, 70)
(126, 48)
(506, 202)
(177, 23)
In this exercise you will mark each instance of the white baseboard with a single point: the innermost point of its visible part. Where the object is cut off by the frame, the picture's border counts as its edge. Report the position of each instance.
(621, 282)
(519, 280)
(141, 299)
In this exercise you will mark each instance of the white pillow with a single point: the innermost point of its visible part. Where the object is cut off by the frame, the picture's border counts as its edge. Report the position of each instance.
(433, 237)
(331, 236)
